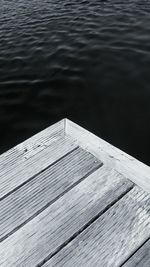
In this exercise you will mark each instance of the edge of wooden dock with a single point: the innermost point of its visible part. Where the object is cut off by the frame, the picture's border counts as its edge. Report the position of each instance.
(132, 168)
(111, 156)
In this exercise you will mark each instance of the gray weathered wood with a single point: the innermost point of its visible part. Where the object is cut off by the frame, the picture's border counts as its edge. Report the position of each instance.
(141, 258)
(44, 234)
(31, 146)
(14, 176)
(135, 170)
(31, 198)
(112, 238)
(54, 209)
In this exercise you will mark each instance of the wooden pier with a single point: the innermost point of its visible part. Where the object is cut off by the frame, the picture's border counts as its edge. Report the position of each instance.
(70, 199)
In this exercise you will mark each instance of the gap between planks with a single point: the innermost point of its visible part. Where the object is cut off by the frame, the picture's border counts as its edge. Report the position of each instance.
(94, 219)
(14, 176)
(65, 217)
(54, 181)
(112, 238)
(140, 257)
(133, 169)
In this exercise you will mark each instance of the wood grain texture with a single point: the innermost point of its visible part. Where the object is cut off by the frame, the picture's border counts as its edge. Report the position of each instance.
(43, 235)
(133, 169)
(112, 238)
(43, 189)
(141, 258)
(14, 176)
(31, 146)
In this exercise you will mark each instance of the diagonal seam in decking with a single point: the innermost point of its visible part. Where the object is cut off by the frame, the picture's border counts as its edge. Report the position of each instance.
(84, 227)
(32, 177)
(135, 252)
(54, 200)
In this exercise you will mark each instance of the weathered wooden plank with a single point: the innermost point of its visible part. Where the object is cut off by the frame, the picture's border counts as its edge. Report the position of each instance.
(15, 176)
(135, 170)
(44, 189)
(113, 237)
(31, 146)
(65, 218)
(141, 258)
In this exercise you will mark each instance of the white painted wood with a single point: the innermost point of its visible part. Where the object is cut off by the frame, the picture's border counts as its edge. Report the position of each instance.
(14, 176)
(45, 188)
(133, 169)
(31, 146)
(141, 258)
(112, 238)
(44, 234)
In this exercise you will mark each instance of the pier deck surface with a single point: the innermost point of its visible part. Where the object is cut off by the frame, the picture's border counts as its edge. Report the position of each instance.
(68, 198)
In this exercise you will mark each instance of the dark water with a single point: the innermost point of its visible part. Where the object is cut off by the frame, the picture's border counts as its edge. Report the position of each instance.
(85, 60)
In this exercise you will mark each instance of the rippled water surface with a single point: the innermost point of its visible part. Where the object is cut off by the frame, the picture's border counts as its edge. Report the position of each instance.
(85, 60)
